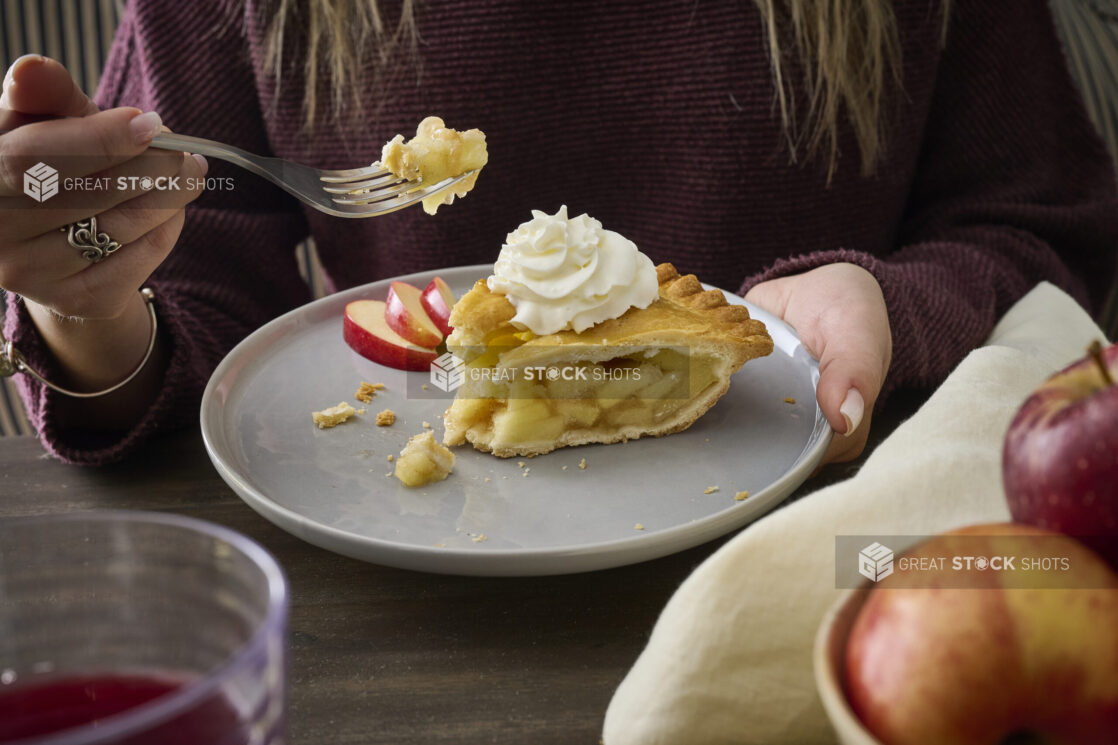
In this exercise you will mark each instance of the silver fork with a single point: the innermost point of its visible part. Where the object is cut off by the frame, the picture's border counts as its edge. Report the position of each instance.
(356, 192)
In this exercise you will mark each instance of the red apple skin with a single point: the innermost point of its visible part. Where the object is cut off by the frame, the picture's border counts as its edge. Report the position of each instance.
(366, 331)
(405, 315)
(1060, 461)
(438, 299)
(973, 665)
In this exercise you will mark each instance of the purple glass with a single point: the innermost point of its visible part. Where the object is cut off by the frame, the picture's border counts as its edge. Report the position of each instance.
(135, 627)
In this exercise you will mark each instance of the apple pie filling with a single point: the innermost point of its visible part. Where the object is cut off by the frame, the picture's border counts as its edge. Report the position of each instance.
(435, 153)
(533, 409)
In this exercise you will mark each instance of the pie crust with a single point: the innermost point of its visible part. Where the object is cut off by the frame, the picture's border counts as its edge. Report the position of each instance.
(677, 356)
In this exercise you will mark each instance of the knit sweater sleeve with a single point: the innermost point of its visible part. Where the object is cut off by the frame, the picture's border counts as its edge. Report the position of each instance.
(1013, 188)
(233, 267)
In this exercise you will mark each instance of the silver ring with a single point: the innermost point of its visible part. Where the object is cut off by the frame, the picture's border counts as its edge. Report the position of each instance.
(83, 236)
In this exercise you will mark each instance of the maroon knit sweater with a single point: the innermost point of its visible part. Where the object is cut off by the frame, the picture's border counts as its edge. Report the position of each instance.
(657, 119)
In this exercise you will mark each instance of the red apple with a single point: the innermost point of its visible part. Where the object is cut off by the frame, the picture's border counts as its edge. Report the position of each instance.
(366, 330)
(406, 316)
(1060, 462)
(985, 664)
(438, 299)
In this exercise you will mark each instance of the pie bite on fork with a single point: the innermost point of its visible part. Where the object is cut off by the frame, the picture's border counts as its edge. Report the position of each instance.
(435, 153)
(651, 371)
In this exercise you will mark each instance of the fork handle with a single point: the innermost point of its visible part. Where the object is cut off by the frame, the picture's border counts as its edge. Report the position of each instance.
(209, 148)
(188, 144)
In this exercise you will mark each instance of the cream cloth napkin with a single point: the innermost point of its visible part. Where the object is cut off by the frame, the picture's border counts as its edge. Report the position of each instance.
(730, 658)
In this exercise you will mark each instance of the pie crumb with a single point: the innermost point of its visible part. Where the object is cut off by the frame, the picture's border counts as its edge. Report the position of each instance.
(564, 468)
(333, 416)
(582, 464)
(638, 526)
(391, 457)
(710, 490)
(480, 538)
(366, 391)
(789, 400)
(741, 496)
(424, 386)
(423, 461)
(386, 418)
(521, 464)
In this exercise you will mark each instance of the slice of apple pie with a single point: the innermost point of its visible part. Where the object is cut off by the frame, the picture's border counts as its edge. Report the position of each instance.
(650, 371)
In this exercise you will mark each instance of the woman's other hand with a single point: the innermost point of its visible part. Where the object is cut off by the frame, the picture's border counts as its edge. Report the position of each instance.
(839, 313)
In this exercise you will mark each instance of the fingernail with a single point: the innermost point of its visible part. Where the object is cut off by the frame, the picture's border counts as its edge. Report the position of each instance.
(20, 62)
(9, 76)
(852, 409)
(22, 59)
(202, 163)
(145, 126)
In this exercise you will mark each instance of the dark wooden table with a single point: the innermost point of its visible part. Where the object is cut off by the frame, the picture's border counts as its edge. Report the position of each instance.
(382, 655)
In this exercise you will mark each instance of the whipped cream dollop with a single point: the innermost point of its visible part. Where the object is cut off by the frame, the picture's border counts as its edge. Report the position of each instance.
(562, 273)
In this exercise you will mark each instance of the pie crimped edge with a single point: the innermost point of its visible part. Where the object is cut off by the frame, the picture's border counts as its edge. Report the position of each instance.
(684, 316)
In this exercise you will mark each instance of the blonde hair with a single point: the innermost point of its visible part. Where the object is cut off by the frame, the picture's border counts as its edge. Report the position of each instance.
(849, 51)
(345, 37)
(851, 57)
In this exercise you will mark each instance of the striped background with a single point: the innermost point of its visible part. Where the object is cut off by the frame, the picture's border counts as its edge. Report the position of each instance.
(75, 32)
(1089, 31)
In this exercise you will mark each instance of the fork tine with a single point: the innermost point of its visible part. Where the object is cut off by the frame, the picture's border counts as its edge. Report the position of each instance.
(348, 187)
(351, 174)
(384, 201)
(376, 195)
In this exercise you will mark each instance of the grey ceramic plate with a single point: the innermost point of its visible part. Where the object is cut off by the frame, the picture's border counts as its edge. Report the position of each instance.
(492, 516)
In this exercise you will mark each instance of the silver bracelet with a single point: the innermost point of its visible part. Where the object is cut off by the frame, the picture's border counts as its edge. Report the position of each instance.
(12, 360)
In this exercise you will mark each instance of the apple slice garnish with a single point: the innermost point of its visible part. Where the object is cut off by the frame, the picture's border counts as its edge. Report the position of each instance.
(405, 315)
(437, 299)
(365, 329)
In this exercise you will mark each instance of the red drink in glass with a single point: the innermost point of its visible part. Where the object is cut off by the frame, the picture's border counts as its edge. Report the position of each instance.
(129, 628)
